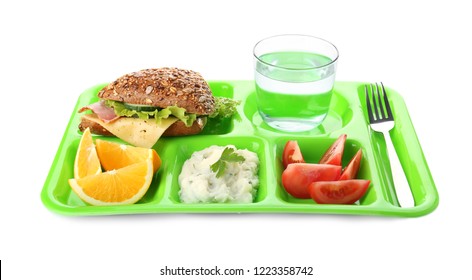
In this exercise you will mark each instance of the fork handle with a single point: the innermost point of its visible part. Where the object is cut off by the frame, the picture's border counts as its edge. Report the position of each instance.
(402, 188)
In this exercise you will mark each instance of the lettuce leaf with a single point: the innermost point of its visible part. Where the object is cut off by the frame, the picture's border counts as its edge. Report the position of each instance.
(224, 107)
(158, 114)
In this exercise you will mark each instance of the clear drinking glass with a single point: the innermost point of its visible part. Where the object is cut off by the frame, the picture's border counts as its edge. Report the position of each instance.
(294, 77)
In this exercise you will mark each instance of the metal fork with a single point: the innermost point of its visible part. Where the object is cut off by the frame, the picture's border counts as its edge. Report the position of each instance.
(381, 120)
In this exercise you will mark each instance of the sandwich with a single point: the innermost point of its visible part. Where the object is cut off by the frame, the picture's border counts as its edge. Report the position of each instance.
(142, 106)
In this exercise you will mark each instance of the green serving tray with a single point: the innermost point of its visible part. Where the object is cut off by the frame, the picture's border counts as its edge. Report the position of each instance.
(247, 130)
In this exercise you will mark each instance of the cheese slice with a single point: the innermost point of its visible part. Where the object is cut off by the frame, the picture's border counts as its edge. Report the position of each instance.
(137, 132)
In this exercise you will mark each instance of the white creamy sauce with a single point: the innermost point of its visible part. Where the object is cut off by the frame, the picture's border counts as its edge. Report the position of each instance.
(199, 184)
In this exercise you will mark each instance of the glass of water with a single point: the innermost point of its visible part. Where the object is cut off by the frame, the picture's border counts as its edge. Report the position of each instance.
(294, 77)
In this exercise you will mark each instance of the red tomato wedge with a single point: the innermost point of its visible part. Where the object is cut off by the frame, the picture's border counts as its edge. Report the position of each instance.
(338, 192)
(292, 153)
(298, 176)
(334, 154)
(350, 171)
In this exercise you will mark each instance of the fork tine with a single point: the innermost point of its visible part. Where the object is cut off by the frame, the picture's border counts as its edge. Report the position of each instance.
(369, 107)
(376, 102)
(387, 104)
(379, 108)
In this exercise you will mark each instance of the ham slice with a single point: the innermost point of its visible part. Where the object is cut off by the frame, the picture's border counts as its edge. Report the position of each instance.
(104, 113)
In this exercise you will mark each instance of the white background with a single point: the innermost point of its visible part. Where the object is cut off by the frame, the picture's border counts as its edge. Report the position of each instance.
(50, 51)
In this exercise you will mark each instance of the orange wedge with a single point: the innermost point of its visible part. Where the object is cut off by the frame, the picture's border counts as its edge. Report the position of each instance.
(115, 156)
(121, 186)
(86, 160)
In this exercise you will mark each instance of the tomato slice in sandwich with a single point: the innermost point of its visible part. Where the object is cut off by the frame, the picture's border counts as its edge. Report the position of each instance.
(292, 153)
(338, 192)
(334, 154)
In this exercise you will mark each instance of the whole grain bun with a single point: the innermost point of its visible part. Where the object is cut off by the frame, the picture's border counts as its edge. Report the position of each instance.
(176, 129)
(94, 127)
(179, 129)
(163, 87)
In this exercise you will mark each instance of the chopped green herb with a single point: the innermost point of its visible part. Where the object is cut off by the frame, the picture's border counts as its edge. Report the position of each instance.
(228, 155)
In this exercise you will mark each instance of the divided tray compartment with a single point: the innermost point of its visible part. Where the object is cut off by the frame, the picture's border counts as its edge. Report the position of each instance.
(246, 130)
